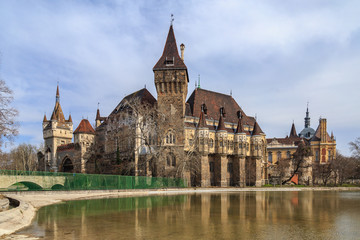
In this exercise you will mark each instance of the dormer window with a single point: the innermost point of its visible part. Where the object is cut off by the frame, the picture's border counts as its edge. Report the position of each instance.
(169, 61)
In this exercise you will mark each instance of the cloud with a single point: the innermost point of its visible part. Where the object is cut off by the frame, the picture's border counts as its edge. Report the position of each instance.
(274, 56)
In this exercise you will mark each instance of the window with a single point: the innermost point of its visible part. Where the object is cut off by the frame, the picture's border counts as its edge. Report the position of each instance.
(279, 156)
(288, 155)
(169, 62)
(171, 160)
(211, 165)
(270, 157)
(317, 156)
(211, 142)
(329, 155)
(170, 138)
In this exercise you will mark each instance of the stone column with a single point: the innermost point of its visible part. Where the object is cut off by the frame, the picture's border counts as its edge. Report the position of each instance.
(242, 182)
(259, 172)
(205, 171)
(223, 171)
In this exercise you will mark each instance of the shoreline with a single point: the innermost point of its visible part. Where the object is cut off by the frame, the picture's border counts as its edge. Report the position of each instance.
(30, 202)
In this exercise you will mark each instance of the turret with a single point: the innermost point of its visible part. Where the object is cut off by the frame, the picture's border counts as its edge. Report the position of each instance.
(323, 130)
(203, 132)
(221, 134)
(240, 138)
(257, 141)
(293, 133)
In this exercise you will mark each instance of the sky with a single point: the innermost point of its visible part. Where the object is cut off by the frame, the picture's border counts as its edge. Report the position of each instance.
(273, 55)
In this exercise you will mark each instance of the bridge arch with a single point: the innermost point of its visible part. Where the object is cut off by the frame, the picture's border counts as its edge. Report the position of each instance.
(28, 184)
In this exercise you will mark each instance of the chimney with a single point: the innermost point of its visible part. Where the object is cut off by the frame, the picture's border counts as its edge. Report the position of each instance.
(182, 48)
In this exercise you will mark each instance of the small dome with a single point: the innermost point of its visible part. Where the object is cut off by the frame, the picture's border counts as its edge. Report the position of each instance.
(307, 133)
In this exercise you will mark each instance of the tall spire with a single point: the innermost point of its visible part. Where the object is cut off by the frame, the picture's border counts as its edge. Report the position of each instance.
(293, 131)
(256, 130)
(57, 94)
(307, 118)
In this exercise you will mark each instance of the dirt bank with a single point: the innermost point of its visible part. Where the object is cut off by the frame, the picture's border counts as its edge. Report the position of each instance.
(20, 217)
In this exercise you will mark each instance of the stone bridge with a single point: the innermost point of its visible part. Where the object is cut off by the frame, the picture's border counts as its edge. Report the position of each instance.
(32, 182)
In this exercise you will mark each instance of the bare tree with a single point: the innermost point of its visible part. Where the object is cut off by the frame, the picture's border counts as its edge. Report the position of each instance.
(355, 147)
(299, 161)
(343, 168)
(24, 157)
(8, 126)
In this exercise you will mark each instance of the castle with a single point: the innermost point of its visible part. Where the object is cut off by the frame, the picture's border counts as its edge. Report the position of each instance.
(207, 139)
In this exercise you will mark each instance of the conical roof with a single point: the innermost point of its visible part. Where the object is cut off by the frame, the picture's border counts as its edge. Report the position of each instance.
(98, 115)
(170, 58)
(58, 113)
(202, 121)
(257, 130)
(70, 118)
(293, 131)
(84, 127)
(221, 125)
(240, 127)
(45, 119)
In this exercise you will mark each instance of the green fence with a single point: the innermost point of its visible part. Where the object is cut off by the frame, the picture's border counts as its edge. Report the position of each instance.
(15, 180)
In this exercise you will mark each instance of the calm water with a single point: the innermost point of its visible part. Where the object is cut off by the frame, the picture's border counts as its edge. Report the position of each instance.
(244, 215)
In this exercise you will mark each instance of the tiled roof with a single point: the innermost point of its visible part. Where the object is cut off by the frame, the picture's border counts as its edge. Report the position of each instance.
(66, 147)
(287, 140)
(170, 53)
(214, 101)
(221, 125)
(317, 136)
(44, 120)
(143, 95)
(240, 127)
(84, 127)
(202, 121)
(58, 113)
(70, 119)
(257, 130)
(293, 131)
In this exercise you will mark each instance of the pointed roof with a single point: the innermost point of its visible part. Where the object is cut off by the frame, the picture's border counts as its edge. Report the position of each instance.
(97, 115)
(170, 58)
(202, 120)
(317, 135)
(240, 127)
(293, 131)
(57, 91)
(58, 113)
(70, 118)
(84, 127)
(45, 119)
(221, 125)
(256, 130)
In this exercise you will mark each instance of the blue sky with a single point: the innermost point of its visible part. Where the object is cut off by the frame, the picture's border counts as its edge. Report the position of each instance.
(275, 56)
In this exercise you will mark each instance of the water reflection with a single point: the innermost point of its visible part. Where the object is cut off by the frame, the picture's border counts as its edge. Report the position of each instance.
(245, 215)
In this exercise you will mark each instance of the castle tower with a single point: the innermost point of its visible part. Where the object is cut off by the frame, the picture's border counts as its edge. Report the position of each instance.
(258, 150)
(240, 141)
(171, 82)
(56, 131)
(84, 135)
(221, 161)
(203, 147)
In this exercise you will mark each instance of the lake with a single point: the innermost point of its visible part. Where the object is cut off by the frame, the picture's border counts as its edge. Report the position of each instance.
(240, 215)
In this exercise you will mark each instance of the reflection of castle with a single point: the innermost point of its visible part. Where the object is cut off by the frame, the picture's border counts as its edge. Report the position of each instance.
(228, 146)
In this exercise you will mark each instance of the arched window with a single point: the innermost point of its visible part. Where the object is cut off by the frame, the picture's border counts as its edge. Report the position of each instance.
(288, 155)
(170, 138)
(270, 157)
(316, 156)
(279, 156)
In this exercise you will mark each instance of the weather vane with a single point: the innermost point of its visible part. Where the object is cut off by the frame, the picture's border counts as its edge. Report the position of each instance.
(172, 19)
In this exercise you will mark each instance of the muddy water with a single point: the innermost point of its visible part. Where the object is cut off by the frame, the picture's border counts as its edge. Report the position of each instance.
(244, 215)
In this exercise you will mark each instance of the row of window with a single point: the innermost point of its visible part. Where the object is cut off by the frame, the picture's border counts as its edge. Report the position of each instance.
(278, 155)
